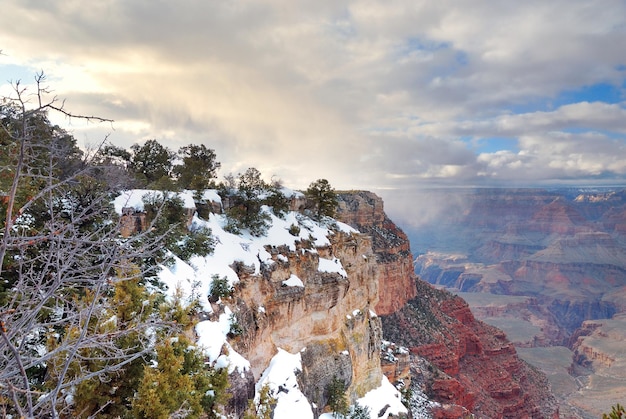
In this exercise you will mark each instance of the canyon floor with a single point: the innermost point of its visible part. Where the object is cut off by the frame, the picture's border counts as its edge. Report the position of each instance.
(548, 267)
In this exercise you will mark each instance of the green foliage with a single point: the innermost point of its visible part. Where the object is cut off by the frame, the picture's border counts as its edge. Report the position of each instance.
(265, 406)
(180, 384)
(322, 197)
(337, 400)
(245, 195)
(617, 411)
(168, 223)
(359, 412)
(199, 167)
(294, 230)
(198, 241)
(151, 162)
(219, 288)
(236, 329)
(277, 201)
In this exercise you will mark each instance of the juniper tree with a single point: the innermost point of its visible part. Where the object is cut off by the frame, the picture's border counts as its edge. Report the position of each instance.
(322, 198)
(198, 169)
(152, 164)
(61, 258)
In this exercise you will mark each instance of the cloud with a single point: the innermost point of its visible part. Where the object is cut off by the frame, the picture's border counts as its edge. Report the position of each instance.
(364, 93)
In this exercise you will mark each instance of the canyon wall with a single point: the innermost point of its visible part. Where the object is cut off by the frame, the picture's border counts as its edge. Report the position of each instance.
(329, 319)
(461, 363)
(478, 369)
(364, 211)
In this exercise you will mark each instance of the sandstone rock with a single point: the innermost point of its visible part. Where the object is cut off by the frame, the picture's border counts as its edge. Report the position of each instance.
(480, 368)
(364, 211)
(330, 320)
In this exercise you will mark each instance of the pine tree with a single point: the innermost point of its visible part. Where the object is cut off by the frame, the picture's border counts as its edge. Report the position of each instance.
(199, 167)
(152, 164)
(322, 197)
(337, 400)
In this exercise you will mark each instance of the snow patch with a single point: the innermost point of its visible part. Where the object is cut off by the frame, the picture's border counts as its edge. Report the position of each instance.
(293, 281)
(280, 376)
(332, 266)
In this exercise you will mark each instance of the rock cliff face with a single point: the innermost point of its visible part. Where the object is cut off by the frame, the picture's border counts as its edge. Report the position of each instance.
(330, 318)
(478, 368)
(335, 319)
(563, 251)
(364, 211)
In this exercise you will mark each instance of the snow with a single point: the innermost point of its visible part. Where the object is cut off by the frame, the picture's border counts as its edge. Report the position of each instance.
(211, 195)
(212, 335)
(280, 376)
(384, 395)
(293, 281)
(333, 266)
(196, 276)
(377, 399)
(134, 199)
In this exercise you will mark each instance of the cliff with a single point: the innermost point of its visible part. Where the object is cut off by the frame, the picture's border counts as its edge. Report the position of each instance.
(312, 295)
(365, 211)
(478, 369)
(328, 319)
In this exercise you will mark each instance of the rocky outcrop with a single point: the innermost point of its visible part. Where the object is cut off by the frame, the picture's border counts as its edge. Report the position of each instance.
(364, 211)
(329, 319)
(480, 370)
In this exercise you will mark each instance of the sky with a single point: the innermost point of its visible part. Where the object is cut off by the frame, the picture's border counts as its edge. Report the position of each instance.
(385, 96)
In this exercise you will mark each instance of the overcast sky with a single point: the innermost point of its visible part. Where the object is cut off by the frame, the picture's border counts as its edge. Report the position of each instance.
(367, 94)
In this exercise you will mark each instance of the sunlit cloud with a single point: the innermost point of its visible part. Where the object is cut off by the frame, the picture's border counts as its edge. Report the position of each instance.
(401, 94)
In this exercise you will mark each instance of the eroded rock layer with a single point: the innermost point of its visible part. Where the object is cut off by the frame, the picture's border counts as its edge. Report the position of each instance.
(479, 368)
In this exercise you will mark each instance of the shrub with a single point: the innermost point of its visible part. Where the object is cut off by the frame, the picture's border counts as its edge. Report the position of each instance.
(294, 230)
(359, 412)
(337, 400)
(219, 288)
(617, 412)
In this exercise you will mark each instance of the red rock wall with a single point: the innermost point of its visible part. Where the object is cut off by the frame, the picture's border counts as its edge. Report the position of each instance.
(480, 369)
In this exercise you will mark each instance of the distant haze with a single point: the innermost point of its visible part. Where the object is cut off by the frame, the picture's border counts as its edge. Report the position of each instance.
(380, 96)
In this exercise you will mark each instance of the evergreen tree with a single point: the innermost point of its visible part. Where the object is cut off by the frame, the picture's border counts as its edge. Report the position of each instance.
(359, 412)
(152, 164)
(246, 195)
(59, 253)
(199, 167)
(322, 197)
(337, 400)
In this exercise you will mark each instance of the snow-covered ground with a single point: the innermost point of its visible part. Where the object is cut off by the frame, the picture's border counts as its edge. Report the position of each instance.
(196, 276)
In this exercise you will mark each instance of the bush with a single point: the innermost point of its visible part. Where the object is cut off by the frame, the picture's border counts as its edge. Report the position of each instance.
(294, 230)
(219, 289)
(337, 400)
(245, 195)
(198, 242)
(359, 412)
(617, 412)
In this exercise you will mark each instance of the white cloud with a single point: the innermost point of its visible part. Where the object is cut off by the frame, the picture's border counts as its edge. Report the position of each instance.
(364, 93)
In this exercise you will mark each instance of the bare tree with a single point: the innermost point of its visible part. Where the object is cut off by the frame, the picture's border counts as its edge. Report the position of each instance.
(61, 257)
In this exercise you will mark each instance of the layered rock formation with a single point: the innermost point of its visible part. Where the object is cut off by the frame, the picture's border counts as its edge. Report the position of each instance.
(364, 211)
(329, 318)
(478, 369)
(563, 251)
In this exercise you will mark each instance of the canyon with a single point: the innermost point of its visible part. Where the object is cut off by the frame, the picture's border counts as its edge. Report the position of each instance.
(463, 364)
(548, 267)
(346, 302)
